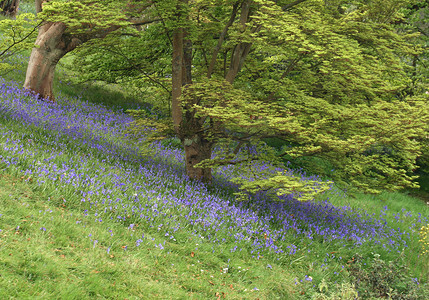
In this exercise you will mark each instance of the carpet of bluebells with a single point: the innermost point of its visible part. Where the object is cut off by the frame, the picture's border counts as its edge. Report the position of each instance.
(82, 151)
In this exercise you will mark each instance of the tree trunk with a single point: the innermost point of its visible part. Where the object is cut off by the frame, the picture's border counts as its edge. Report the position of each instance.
(177, 78)
(187, 126)
(51, 45)
(197, 149)
(191, 132)
(241, 50)
(197, 146)
(44, 58)
(9, 7)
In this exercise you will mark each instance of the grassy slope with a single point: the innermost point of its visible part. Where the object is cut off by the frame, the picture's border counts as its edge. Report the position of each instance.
(73, 252)
(64, 262)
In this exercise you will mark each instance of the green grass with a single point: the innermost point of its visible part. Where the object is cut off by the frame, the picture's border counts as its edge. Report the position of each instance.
(63, 262)
(51, 249)
(393, 204)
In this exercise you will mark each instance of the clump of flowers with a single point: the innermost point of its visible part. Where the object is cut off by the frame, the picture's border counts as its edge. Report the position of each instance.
(424, 239)
(424, 242)
(108, 177)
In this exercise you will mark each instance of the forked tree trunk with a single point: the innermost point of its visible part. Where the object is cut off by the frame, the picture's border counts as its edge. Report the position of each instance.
(51, 45)
(188, 128)
(9, 7)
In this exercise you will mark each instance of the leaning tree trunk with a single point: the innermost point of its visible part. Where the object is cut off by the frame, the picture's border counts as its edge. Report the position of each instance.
(9, 7)
(51, 45)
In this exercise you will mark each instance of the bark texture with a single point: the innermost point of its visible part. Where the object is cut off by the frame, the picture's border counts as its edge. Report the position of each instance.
(197, 149)
(52, 44)
(191, 129)
(177, 78)
(9, 7)
(188, 127)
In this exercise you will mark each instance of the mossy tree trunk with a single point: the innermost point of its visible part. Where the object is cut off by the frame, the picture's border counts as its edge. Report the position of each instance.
(190, 128)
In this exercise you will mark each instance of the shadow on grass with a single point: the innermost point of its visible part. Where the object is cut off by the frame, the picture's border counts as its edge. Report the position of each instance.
(110, 96)
(423, 192)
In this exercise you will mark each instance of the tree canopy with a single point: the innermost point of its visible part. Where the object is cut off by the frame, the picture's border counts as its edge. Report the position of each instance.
(17, 35)
(328, 79)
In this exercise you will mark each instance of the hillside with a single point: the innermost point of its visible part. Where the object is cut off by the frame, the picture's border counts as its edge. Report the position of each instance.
(81, 207)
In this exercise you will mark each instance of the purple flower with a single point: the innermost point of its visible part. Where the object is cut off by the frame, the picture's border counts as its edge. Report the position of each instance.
(114, 180)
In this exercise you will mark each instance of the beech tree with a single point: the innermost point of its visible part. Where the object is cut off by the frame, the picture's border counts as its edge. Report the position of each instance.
(417, 19)
(66, 24)
(326, 78)
(320, 75)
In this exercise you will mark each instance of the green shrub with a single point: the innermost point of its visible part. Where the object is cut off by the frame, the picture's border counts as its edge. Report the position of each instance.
(380, 279)
(345, 291)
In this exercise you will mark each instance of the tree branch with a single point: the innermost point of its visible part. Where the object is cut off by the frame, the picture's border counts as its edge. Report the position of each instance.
(38, 4)
(136, 67)
(20, 41)
(422, 31)
(290, 5)
(242, 49)
(139, 23)
(221, 39)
